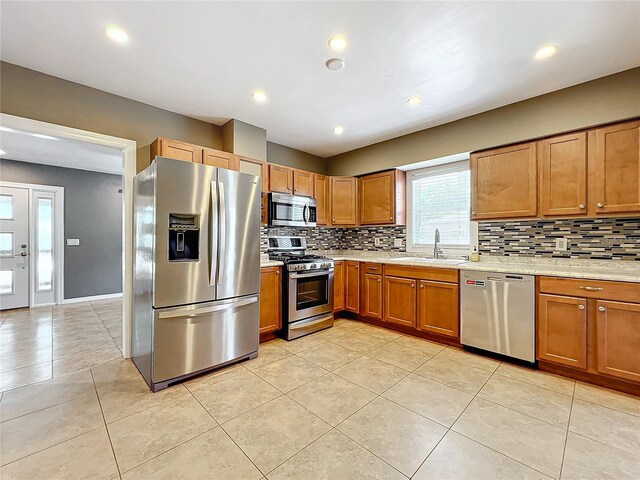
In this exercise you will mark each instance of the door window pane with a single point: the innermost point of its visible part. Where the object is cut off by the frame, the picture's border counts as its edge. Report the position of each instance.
(44, 228)
(6, 244)
(6, 281)
(6, 207)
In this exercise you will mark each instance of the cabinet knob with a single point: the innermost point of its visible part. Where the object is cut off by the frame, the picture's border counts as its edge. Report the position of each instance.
(378, 280)
(413, 285)
(277, 272)
(473, 212)
(581, 307)
(599, 204)
(602, 309)
(421, 286)
(581, 205)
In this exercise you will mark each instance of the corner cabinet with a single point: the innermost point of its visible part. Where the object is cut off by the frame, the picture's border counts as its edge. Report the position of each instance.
(344, 196)
(382, 198)
(504, 183)
(614, 169)
(270, 299)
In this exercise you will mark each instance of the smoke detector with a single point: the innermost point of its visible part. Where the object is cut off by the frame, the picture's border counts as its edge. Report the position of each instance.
(335, 64)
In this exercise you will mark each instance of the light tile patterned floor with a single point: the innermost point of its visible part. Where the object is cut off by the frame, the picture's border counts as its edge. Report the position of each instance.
(351, 402)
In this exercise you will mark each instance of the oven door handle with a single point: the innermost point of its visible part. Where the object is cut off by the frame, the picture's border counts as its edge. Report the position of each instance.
(314, 274)
(302, 324)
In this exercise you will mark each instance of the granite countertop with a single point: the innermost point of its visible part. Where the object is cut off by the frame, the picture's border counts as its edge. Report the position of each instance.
(616, 270)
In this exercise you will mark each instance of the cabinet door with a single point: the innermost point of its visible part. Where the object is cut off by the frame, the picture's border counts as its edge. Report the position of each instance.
(280, 179)
(303, 183)
(563, 175)
(257, 167)
(377, 198)
(343, 200)
(270, 299)
(400, 300)
(438, 308)
(504, 183)
(216, 158)
(352, 286)
(372, 295)
(562, 330)
(338, 287)
(321, 194)
(618, 339)
(614, 174)
(165, 147)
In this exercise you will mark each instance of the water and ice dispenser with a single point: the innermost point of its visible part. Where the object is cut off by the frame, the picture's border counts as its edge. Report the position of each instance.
(184, 237)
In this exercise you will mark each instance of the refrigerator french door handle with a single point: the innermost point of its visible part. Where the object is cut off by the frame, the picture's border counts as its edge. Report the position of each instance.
(222, 248)
(195, 312)
(213, 234)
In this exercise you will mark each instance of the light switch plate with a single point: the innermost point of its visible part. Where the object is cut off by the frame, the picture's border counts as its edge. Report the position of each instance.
(73, 242)
(397, 242)
(561, 244)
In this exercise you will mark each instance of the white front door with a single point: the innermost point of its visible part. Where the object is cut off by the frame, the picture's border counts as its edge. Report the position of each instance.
(14, 247)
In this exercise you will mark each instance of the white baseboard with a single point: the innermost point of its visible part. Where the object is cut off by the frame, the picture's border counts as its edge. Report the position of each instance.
(92, 299)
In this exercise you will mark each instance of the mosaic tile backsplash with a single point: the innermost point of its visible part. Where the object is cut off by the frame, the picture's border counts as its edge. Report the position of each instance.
(595, 239)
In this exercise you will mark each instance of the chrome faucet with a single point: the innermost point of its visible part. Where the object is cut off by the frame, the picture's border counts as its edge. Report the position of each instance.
(437, 251)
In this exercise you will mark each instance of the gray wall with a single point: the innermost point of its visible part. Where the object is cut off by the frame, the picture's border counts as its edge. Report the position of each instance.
(92, 213)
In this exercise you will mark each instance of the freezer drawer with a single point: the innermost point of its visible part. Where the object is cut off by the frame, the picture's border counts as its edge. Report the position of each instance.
(497, 313)
(199, 337)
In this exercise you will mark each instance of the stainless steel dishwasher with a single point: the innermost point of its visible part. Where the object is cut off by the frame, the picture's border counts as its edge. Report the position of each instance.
(497, 313)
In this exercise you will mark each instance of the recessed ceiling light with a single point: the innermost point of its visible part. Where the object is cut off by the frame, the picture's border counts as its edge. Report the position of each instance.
(259, 96)
(339, 130)
(335, 64)
(338, 43)
(116, 34)
(545, 52)
(413, 101)
(2, 152)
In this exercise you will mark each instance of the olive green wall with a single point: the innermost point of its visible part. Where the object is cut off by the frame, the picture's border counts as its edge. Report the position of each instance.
(291, 157)
(608, 99)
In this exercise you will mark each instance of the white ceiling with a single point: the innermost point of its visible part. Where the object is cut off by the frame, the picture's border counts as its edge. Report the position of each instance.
(203, 59)
(59, 152)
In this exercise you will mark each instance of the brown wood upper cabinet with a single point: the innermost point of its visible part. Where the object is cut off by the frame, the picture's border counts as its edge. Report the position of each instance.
(504, 183)
(280, 179)
(270, 299)
(352, 286)
(338, 286)
(165, 147)
(321, 194)
(343, 200)
(216, 158)
(563, 175)
(614, 169)
(303, 183)
(438, 310)
(618, 344)
(400, 301)
(382, 198)
(562, 330)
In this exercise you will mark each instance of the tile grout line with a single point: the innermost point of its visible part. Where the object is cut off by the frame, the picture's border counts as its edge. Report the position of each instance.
(566, 437)
(106, 427)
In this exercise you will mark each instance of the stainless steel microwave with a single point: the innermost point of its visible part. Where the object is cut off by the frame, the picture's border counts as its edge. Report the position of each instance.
(291, 211)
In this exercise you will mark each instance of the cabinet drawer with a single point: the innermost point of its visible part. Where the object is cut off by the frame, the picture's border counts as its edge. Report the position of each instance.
(620, 291)
(374, 268)
(422, 273)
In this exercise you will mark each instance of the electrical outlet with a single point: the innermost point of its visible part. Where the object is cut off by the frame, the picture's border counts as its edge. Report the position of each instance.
(561, 244)
(73, 242)
(377, 242)
(397, 242)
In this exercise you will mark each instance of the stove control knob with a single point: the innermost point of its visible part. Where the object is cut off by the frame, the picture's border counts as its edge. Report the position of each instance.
(313, 265)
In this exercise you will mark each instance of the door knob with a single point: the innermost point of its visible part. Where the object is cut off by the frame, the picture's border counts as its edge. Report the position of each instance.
(602, 309)
(581, 307)
(599, 204)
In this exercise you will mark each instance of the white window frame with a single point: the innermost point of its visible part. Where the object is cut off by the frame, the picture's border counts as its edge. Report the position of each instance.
(447, 250)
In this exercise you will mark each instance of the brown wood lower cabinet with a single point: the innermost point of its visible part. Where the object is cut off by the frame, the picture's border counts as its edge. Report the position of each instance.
(562, 330)
(372, 288)
(270, 299)
(400, 300)
(338, 286)
(352, 286)
(438, 308)
(618, 333)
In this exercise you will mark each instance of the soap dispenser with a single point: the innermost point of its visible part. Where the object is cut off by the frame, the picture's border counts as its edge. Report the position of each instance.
(475, 256)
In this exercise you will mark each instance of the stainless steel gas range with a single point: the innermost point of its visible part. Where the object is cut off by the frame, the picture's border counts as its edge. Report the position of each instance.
(307, 292)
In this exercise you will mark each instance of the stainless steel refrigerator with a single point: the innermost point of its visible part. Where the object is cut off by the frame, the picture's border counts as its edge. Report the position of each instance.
(197, 269)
